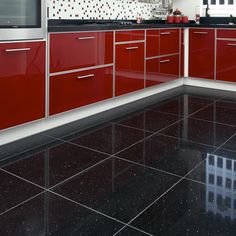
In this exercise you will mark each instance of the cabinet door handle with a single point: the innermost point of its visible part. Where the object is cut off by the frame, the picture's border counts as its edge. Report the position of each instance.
(131, 48)
(165, 61)
(165, 33)
(17, 49)
(85, 76)
(200, 32)
(232, 44)
(86, 38)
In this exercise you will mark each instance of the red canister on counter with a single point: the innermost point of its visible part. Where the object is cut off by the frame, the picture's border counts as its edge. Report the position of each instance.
(177, 19)
(185, 19)
(170, 19)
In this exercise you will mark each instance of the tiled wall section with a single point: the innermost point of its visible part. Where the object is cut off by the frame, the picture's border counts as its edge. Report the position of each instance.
(102, 9)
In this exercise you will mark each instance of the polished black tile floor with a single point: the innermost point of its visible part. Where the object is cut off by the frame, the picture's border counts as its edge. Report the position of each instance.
(168, 168)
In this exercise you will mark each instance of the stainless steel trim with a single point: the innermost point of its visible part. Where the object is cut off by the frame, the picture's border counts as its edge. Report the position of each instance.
(231, 44)
(166, 55)
(131, 48)
(114, 64)
(86, 38)
(18, 50)
(226, 39)
(215, 56)
(165, 61)
(200, 32)
(27, 33)
(85, 76)
(129, 42)
(145, 55)
(81, 69)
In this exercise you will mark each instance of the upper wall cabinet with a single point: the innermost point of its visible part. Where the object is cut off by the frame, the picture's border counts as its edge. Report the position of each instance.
(70, 51)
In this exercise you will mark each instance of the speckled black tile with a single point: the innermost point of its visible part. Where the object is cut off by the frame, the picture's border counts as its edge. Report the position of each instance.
(128, 231)
(150, 121)
(54, 164)
(14, 191)
(49, 214)
(109, 139)
(182, 105)
(190, 209)
(230, 144)
(117, 188)
(166, 153)
(218, 113)
(218, 170)
(200, 131)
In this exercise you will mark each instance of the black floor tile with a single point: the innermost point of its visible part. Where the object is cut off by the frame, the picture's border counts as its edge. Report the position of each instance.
(54, 164)
(14, 191)
(167, 153)
(109, 139)
(128, 231)
(150, 121)
(200, 131)
(230, 144)
(190, 209)
(182, 105)
(217, 113)
(217, 171)
(49, 214)
(117, 188)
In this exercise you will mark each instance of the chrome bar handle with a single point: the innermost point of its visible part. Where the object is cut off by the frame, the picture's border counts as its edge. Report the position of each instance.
(17, 49)
(85, 76)
(165, 61)
(232, 44)
(86, 38)
(200, 32)
(131, 48)
(165, 33)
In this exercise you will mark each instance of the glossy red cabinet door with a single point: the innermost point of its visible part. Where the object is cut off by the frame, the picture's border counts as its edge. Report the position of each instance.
(226, 33)
(153, 72)
(169, 41)
(129, 35)
(162, 70)
(129, 68)
(70, 51)
(225, 61)
(74, 90)
(22, 83)
(201, 53)
(152, 43)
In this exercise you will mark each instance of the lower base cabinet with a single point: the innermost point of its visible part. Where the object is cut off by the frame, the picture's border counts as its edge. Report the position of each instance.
(73, 90)
(129, 68)
(225, 61)
(22, 83)
(161, 70)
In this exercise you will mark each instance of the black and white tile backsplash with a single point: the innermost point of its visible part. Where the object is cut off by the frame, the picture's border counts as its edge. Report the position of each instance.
(103, 9)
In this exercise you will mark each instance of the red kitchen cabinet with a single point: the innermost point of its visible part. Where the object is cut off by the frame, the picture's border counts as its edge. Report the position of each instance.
(129, 68)
(129, 35)
(201, 53)
(162, 70)
(169, 41)
(225, 61)
(22, 83)
(73, 90)
(226, 33)
(70, 51)
(152, 43)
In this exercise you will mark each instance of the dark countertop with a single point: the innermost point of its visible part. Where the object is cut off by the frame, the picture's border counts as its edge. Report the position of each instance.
(76, 25)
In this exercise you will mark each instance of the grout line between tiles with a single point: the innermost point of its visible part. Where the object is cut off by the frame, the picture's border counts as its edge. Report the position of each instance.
(10, 173)
(224, 143)
(93, 210)
(79, 173)
(27, 200)
(167, 191)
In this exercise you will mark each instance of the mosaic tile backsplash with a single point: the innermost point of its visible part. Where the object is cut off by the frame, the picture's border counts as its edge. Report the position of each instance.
(104, 9)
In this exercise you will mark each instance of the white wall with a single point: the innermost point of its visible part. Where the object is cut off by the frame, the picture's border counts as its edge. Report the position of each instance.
(187, 7)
